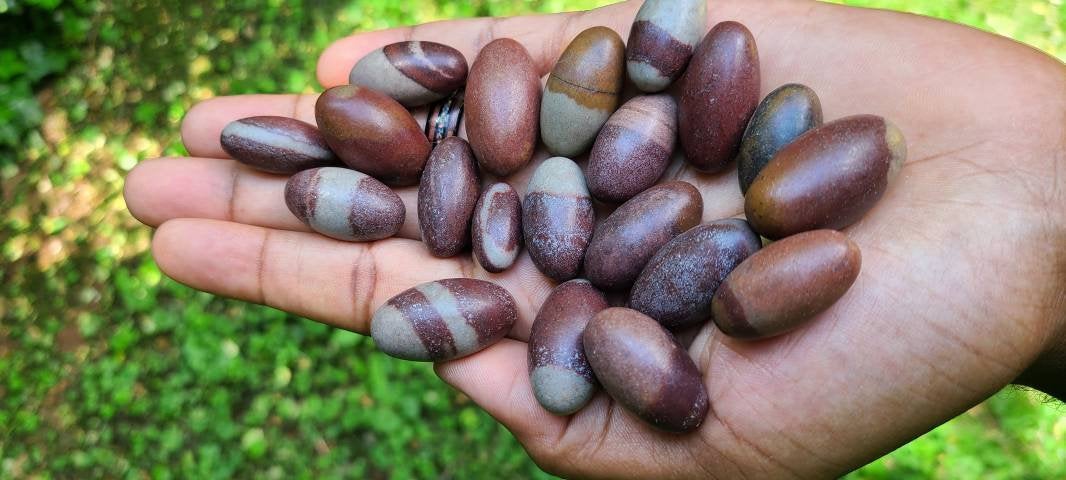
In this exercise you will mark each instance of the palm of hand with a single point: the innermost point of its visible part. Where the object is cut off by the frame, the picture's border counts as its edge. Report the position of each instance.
(958, 260)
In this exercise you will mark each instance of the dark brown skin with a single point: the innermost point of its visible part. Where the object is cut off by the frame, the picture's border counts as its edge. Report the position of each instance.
(372, 133)
(441, 69)
(786, 284)
(786, 113)
(497, 227)
(719, 93)
(828, 178)
(958, 216)
(447, 195)
(633, 149)
(503, 107)
(555, 341)
(677, 285)
(294, 145)
(643, 368)
(628, 238)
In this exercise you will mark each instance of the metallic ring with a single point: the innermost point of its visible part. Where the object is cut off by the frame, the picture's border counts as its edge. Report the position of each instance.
(444, 118)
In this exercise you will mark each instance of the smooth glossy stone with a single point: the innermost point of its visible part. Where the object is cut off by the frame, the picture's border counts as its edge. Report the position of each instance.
(633, 149)
(344, 204)
(447, 196)
(661, 41)
(784, 115)
(497, 229)
(372, 133)
(678, 283)
(276, 144)
(828, 178)
(503, 107)
(643, 367)
(557, 218)
(719, 93)
(443, 320)
(631, 235)
(582, 91)
(558, 370)
(786, 284)
(413, 73)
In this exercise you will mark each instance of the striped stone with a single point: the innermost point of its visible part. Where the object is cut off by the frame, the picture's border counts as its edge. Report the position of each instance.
(497, 227)
(661, 41)
(276, 144)
(344, 204)
(558, 218)
(443, 320)
(633, 149)
(413, 73)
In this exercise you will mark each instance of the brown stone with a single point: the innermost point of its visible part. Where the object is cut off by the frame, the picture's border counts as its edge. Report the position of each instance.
(503, 107)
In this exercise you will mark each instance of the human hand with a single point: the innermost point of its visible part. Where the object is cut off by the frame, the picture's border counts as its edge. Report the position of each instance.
(962, 276)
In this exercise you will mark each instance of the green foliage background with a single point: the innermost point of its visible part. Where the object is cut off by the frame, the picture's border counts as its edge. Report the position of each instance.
(108, 369)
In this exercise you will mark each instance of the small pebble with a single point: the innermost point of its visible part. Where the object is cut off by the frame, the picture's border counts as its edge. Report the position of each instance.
(786, 284)
(561, 376)
(784, 115)
(503, 107)
(642, 366)
(447, 196)
(557, 218)
(633, 149)
(443, 320)
(276, 144)
(661, 41)
(497, 228)
(344, 204)
(413, 73)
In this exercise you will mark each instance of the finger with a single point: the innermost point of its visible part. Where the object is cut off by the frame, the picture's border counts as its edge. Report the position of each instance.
(339, 283)
(167, 188)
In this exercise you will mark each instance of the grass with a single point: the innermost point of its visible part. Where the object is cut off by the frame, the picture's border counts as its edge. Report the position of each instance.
(110, 370)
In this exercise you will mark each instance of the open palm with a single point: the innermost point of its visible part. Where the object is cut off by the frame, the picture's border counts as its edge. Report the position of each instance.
(961, 272)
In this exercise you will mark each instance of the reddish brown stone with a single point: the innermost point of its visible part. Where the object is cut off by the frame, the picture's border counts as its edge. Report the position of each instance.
(786, 284)
(497, 228)
(643, 367)
(414, 73)
(719, 93)
(372, 133)
(276, 144)
(828, 178)
(447, 196)
(661, 40)
(633, 148)
(628, 238)
(503, 107)
(557, 218)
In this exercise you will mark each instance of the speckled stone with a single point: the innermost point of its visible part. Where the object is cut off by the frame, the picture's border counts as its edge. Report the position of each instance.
(276, 144)
(643, 367)
(443, 320)
(828, 178)
(582, 91)
(628, 238)
(561, 376)
(503, 107)
(413, 73)
(447, 196)
(784, 115)
(344, 204)
(497, 229)
(557, 218)
(678, 283)
(373, 134)
(633, 149)
(661, 41)
(719, 94)
(786, 284)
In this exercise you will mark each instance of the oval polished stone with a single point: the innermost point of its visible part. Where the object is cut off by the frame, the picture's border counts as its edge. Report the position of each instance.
(784, 115)
(497, 229)
(661, 41)
(344, 204)
(643, 367)
(276, 144)
(786, 284)
(633, 148)
(373, 134)
(582, 91)
(719, 93)
(678, 283)
(631, 235)
(503, 107)
(558, 370)
(828, 178)
(413, 73)
(443, 320)
(557, 218)
(447, 196)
